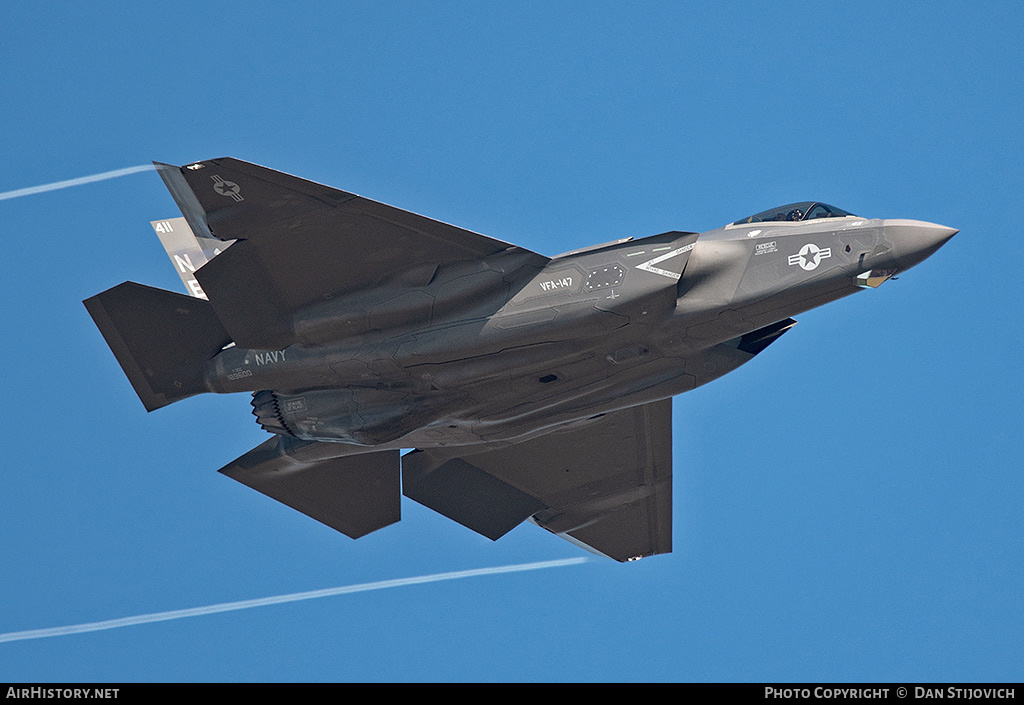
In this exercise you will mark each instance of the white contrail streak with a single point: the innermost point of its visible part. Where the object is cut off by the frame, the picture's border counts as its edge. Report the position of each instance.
(31, 190)
(278, 599)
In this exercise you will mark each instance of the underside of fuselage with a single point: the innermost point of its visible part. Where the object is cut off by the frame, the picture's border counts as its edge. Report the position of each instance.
(530, 387)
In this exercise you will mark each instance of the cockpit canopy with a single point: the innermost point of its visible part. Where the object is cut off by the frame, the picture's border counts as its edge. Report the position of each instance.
(807, 210)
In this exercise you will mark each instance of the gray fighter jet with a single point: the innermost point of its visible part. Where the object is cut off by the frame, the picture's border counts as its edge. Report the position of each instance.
(530, 387)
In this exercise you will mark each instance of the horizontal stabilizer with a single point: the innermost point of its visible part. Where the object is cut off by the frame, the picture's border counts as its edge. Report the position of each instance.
(353, 494)
(162, 339)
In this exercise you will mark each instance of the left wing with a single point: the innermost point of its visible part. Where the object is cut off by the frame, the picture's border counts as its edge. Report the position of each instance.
(604, 484)
(299, 242)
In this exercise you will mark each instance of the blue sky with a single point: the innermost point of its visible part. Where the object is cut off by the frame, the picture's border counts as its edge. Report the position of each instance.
(847, 507)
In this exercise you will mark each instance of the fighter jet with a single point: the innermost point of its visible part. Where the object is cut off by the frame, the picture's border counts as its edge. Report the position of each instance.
(525, 387)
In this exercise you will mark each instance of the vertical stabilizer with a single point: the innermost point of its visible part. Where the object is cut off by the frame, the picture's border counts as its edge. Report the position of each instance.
(188, 252)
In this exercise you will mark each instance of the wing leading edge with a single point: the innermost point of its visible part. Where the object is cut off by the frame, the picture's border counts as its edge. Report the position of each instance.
(604, 484)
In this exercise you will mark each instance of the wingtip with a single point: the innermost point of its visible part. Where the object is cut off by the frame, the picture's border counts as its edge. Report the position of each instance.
(195, 166)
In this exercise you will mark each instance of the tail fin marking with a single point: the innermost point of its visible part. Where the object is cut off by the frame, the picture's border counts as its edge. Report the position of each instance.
(188, 251)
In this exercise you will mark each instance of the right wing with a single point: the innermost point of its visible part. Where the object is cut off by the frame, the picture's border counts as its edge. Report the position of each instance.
(604, 484)
(299, 243)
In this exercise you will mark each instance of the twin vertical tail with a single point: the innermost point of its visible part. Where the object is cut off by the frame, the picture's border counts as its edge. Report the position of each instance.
(188, 252)
(163, 340)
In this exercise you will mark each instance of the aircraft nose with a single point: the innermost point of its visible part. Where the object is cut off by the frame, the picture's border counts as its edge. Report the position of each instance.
(914, 241)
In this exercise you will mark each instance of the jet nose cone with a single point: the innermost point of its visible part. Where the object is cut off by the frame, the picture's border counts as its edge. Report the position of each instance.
(935, 235)
(915, 240)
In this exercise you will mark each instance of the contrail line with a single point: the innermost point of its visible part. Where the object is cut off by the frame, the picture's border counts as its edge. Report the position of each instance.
(32, 190)
(279, 599)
